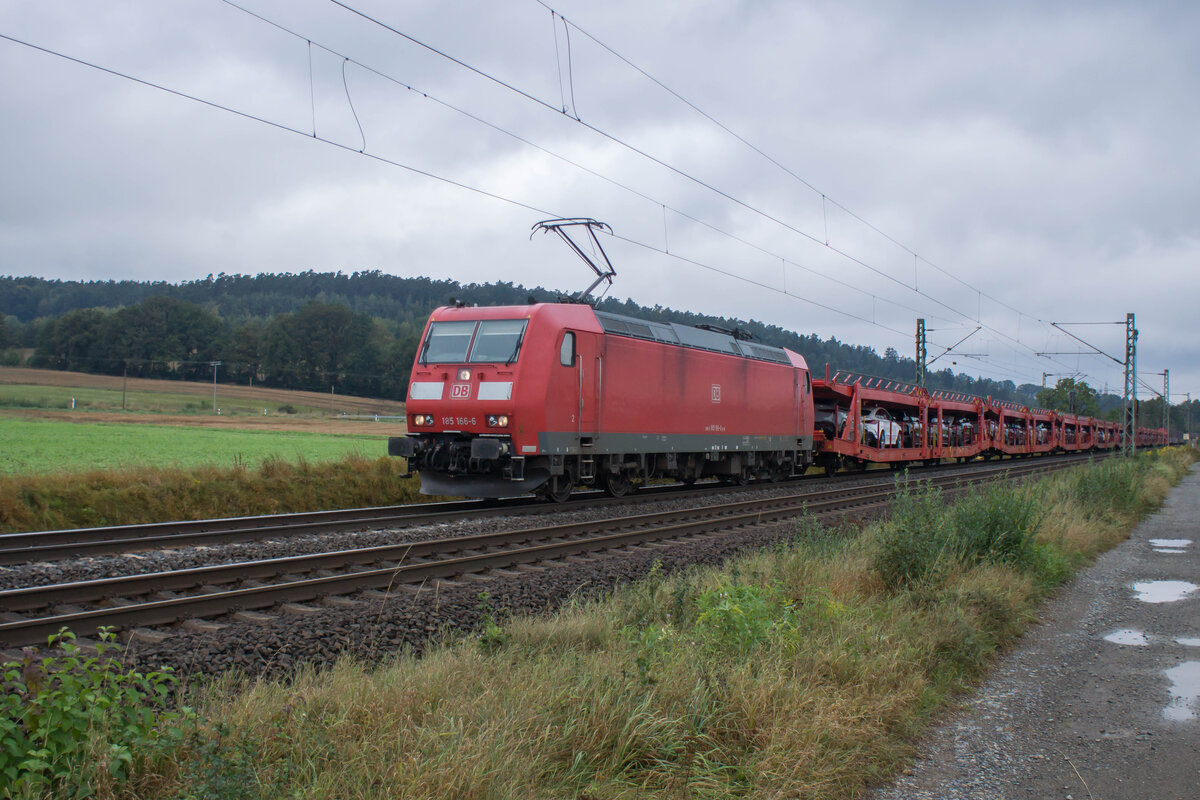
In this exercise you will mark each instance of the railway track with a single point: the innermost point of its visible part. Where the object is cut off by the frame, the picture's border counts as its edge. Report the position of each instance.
(24, 548)
(134, 602)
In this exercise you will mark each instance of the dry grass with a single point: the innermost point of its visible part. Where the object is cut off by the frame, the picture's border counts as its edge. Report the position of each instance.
(134, 496)
(795, 672)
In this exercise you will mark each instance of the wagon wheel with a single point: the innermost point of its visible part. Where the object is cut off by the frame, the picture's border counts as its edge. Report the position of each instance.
(742, 478)
(831, 467)
(859, 465)
(617, 485)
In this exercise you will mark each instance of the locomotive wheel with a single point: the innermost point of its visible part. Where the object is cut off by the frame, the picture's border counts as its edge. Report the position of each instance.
(617, 485)
(557, 489)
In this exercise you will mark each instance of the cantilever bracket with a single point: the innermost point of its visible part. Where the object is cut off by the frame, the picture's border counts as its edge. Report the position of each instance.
(603, 273)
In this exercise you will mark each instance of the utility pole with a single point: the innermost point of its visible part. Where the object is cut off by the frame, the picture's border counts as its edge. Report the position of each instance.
(214, 365)
(1129, 416)
(124, 380)
(921, 353)
(1188, 429)
(1167, 401)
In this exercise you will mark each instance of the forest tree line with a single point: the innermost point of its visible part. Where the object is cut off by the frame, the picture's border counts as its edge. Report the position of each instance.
(354, 333)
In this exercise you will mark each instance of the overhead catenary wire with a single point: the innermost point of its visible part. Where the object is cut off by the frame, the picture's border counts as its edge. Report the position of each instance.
(459, 184)
(824, 197)
(594, 173)
(654, 159)
(720, 192)
(415, 170)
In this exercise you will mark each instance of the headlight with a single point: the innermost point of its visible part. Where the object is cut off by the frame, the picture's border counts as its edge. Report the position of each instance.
(464, 374)
(422, 419)
(497, 421)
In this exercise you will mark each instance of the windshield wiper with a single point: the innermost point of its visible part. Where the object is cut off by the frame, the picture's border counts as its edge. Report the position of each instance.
(516, 350)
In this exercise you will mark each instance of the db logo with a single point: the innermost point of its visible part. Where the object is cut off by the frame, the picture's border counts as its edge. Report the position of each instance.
(716, 392)
(460, 390)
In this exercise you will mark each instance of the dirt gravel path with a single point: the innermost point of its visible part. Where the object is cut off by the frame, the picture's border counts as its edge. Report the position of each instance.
(1099, 700)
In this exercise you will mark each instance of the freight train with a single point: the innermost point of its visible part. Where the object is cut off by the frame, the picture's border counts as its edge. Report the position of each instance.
(548, 397)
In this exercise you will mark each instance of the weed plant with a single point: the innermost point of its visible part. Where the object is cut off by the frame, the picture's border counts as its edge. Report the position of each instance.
(71, 724)
(804, 670)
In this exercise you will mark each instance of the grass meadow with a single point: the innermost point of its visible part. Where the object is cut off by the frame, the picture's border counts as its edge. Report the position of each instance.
(39, 446)
(91, 398)
(802, 671)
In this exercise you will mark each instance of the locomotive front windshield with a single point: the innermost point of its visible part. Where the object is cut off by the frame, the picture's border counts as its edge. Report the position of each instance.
(477, 342)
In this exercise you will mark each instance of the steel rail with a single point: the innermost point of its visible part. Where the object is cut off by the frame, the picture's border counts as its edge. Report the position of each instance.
(27, 547)
(510, 549)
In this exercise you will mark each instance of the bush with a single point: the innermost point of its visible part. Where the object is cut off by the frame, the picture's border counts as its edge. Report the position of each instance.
(735, 617)
(997, 526)
(70, 720)
(925, 535)
(913, 541)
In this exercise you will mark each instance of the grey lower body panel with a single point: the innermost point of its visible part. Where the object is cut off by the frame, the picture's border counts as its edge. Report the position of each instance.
(622, 443)
(439, 483)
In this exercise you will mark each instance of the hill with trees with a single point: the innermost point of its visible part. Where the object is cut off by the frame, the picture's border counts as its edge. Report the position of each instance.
(356, 333)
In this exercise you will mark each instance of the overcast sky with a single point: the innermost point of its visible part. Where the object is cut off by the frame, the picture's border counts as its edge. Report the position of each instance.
(1004, 165)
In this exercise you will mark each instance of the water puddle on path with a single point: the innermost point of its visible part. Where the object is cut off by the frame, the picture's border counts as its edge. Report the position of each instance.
(1163, 591)
(1187, 641)
(1128, 636)
(1185, 689)
(1170, 545)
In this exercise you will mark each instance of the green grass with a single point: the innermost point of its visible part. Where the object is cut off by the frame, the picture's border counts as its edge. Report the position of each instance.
(33, 447)
(90, 399)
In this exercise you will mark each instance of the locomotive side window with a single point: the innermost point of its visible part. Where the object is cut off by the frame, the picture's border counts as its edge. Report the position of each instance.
(447, 342)
(498, 340)
(566, 353)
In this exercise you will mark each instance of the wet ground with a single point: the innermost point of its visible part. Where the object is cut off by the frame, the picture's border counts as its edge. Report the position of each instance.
(1102, 700)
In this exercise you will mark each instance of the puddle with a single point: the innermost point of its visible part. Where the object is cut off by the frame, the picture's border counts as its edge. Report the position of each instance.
(1187, 641)
(1168, 550)
(1163, 591)
(1170, 542)
(1128, 636)
(1185, 689)
(1173, 543)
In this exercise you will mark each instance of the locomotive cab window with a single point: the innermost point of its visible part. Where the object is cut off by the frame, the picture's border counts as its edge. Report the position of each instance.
(447, 342)
(474, 341)
(498, 340)
(566, 353)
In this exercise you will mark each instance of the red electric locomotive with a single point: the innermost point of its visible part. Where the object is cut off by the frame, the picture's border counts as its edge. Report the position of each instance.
(545, 397)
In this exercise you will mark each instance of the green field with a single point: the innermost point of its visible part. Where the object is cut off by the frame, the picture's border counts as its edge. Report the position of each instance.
(91, 399)
(35, 447)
